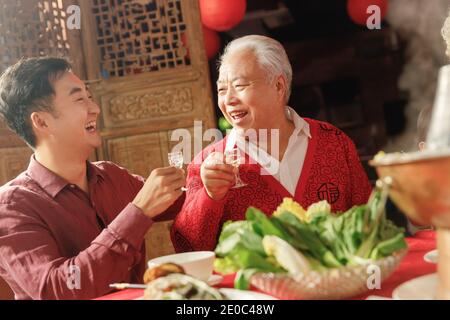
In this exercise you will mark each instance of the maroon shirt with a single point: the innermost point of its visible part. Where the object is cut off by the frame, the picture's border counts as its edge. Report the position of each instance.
(57, 242)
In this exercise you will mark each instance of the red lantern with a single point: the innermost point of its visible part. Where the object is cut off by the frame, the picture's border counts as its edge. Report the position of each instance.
(212, 42)
(357, 9)
(222, 15)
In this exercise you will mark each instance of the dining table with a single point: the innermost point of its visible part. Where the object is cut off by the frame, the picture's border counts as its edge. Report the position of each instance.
(413, 265)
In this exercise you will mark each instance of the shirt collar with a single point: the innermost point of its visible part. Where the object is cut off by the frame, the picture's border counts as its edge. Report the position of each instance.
(93, 173)
(300, 124)
(51, 182)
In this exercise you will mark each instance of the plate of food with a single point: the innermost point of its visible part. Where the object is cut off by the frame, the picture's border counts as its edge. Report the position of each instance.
(170, 281)
(178, 286)
(314, 253)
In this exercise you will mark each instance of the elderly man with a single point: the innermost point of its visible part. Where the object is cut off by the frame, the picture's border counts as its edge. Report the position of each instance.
(69, 227)
(313, 160)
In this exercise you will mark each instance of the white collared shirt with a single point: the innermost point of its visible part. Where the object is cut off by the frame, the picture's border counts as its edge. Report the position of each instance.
(288, 170)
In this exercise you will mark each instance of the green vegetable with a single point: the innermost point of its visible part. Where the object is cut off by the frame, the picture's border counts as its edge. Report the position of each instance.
(305, 233)
(262, 224)
(225, 265)
(295, 242)
(249, 259)
(230, 227)
(242, 237)
(290, 259)
(243, 277)
(387, 247)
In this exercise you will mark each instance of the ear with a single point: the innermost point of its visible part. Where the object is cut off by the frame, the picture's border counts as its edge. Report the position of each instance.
(39, 121)
(280, 84)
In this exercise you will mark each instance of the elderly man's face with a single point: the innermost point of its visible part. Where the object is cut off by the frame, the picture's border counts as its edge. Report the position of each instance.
(245, 97)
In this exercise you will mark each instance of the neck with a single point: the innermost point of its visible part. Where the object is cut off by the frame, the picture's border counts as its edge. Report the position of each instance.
(286, 129)
(66, 165)
(277, 148)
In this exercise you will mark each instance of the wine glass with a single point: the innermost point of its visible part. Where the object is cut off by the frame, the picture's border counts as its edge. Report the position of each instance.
(176, 160)
(235, 158)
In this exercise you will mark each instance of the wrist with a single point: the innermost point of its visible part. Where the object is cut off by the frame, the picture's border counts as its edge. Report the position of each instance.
(148, 211)
(215, 196)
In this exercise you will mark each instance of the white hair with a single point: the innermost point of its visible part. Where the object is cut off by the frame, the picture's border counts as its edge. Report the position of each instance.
(446, 34)
(270, 55)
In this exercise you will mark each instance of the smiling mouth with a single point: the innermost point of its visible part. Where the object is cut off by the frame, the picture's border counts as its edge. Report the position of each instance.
(91, 126)
(238, 115)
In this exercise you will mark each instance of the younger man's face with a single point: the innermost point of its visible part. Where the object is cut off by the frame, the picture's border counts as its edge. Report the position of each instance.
(74, 123)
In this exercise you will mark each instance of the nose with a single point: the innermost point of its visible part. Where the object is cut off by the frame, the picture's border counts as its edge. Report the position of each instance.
(94, 108)
(230, 97)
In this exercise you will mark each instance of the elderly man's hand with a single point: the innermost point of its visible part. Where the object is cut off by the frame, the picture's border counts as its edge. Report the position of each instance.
(217, 177)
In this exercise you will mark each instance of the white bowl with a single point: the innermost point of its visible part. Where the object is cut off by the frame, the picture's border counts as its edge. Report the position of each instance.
(198, 264)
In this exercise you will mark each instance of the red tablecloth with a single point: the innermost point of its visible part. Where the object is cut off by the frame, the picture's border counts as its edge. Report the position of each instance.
(412, 266)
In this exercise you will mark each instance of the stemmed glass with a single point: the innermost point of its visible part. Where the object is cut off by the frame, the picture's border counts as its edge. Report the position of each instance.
(235, 158)
(176, 160)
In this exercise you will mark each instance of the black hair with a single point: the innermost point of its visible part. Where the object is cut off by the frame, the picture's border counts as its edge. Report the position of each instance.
(26, 87)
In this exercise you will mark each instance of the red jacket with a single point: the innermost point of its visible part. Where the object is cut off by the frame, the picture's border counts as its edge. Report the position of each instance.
(331, 171)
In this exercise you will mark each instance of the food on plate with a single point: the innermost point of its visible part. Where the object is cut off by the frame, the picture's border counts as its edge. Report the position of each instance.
(177, 286)
(297, 241)
(162, 271)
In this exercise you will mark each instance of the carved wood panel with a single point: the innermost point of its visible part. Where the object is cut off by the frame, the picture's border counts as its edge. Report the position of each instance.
(142, 152)
(158, 241)
(12, 162)
(131, 107)
(33, 28)
(139, 36)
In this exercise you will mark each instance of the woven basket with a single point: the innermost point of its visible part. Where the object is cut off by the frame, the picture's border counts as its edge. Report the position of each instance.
(336, 283)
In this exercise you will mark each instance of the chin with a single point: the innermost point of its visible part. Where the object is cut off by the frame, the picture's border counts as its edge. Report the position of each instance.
(96, 141)
(244, 126)
(97, 144)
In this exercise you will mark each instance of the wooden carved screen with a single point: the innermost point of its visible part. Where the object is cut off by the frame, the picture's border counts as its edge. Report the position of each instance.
(148, 71)
(31, 28)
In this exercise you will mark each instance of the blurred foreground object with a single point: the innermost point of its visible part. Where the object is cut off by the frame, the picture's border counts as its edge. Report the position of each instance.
(419, 182)
(419, 186)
